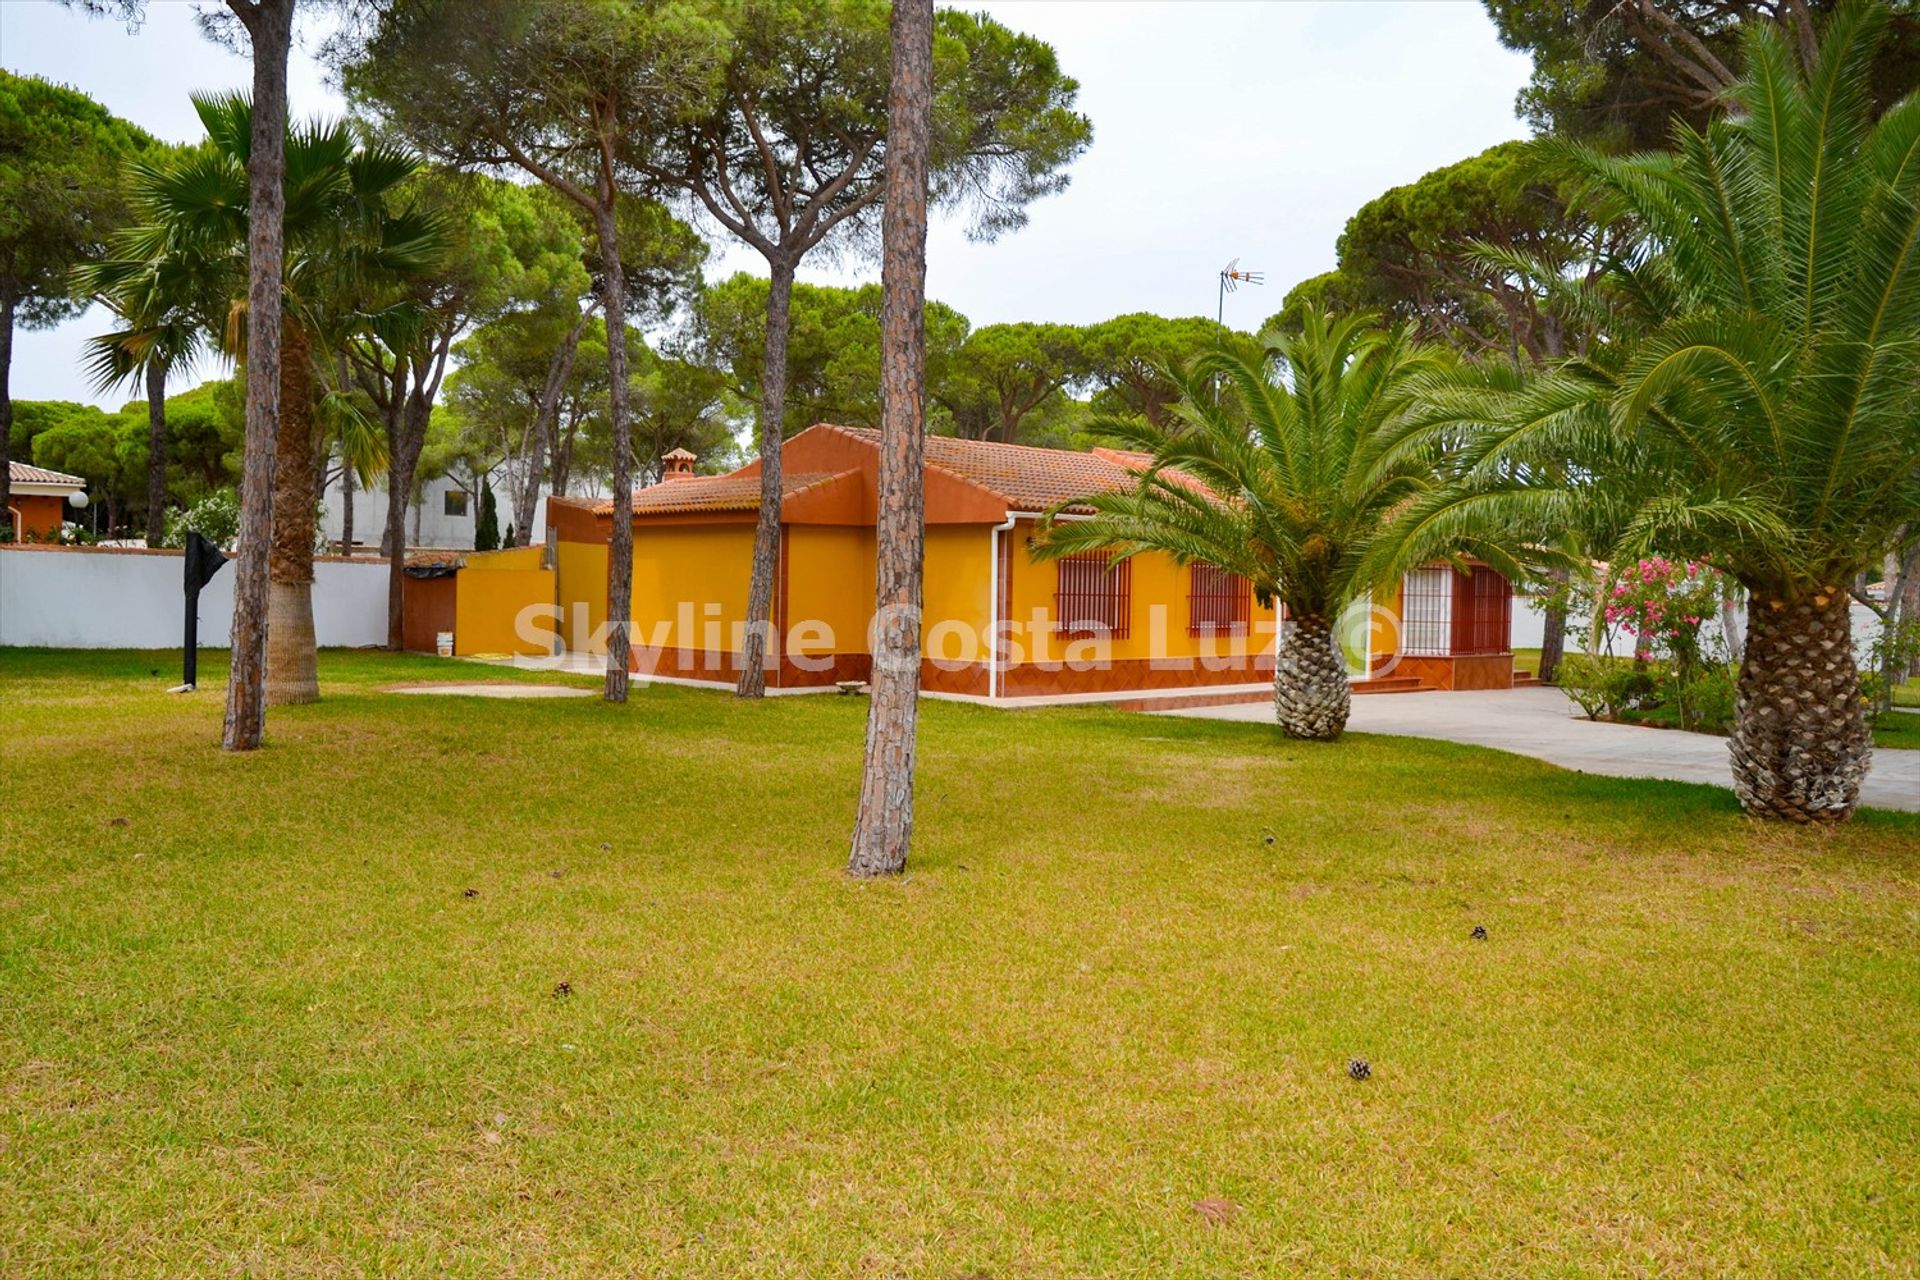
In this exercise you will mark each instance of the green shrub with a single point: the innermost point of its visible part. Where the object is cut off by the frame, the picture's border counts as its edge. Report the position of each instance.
(1583, 677)
(1710, 692)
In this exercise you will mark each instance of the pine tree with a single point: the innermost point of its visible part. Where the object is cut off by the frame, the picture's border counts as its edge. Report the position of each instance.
(486, 530)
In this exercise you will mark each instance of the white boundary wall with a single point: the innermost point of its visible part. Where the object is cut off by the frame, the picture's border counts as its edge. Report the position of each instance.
(126, 598)
(1530, 628)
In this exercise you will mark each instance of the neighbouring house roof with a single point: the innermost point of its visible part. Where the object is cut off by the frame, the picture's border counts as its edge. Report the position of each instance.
(434, 564)
(737, 491)
(22, 473)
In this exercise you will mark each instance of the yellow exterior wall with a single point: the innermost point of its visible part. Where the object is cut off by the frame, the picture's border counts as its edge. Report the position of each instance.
(580, 589)
(690, 585)
(955, 592)
(829, 586)
(1383, 636)
(699, 574)
(489, 594)
(1157, 617)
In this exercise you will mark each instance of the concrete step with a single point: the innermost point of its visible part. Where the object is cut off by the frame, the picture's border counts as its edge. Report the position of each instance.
(1390, 684)
(1184, 701)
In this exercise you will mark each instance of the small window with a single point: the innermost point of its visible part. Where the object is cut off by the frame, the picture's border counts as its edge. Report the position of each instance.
(1218, 603)
(1092, 595)
(456, 502)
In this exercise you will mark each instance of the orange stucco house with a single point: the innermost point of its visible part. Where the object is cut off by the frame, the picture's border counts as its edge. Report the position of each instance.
(998, 623)
(37, 500)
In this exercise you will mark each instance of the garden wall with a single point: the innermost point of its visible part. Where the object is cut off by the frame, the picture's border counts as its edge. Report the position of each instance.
(132, 598)
(1530, 622)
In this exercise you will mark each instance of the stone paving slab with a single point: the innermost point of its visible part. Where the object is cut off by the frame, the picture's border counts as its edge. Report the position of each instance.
(1544, 723)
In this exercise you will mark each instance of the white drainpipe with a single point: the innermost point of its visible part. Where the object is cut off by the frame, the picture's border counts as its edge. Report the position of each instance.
(993, 607)
(993, 589)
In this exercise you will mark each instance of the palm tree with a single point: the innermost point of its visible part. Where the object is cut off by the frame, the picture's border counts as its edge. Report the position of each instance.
(1299, 473)
(1763, 412)
(157, 337)
(347, 249)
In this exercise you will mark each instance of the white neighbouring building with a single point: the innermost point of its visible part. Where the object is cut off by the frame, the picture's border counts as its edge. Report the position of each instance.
(445, 516)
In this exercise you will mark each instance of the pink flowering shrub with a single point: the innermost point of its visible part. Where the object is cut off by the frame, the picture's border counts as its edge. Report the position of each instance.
(1664, 605)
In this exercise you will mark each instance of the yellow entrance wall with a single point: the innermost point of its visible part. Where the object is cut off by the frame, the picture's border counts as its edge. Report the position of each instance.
(699, 573)
(491, 590)
(580, 589)
(690, 585)
(829, 588)
(1383, 636)
(955, 592)
(830, 584)
(1159, 584)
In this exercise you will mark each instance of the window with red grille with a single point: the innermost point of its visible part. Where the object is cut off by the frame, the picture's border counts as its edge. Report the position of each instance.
(1092, 596)
(1218, 603)
(1444, 612)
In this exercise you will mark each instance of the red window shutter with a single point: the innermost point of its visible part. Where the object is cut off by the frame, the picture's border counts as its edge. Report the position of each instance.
(1483, 612)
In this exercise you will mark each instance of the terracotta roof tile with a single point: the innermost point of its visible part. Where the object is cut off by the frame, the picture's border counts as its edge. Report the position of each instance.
(22, 473)
(733, 492)
(1028, 478)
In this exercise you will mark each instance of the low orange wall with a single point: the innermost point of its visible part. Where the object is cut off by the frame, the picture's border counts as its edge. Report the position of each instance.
(493, 591)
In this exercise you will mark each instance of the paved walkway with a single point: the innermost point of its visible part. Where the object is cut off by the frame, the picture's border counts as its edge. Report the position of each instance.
(1542, 723)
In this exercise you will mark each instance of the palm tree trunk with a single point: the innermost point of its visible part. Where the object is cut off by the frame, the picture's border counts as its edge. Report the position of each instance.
(393, 538)
(1800, 745)
(156, 452)
(1553, 635)
(1311, 694)
(293, 675)
(269, 25)
(766, 534)
(883, 830)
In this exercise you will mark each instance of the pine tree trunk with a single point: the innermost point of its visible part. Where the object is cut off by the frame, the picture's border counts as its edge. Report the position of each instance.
(293, 674)
(613, 293)
(269, 26)
(766, 534)
(883, 829)
(156, 452)
(546, 428)
(1800, 744)
(7, 305)
(346, 508)
(1311, 694)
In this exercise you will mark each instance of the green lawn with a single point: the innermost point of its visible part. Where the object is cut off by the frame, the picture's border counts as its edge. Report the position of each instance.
(295, 1013)
(1899, 729)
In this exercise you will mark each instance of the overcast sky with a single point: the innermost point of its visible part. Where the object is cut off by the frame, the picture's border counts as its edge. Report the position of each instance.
(1222, 130)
